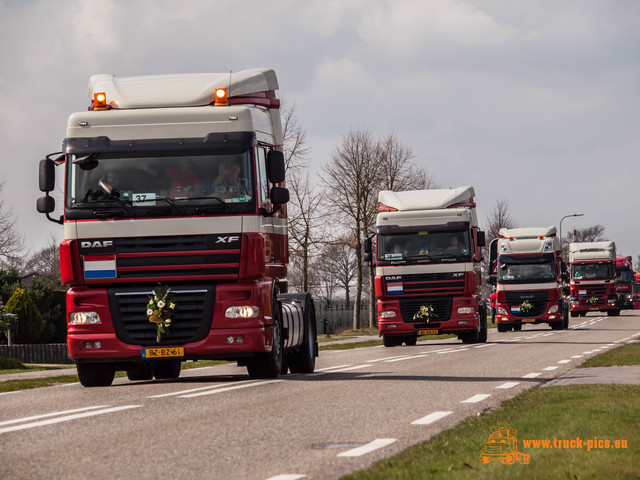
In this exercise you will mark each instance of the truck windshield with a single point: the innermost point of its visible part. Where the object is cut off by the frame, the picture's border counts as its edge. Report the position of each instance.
(178, 183)
(421, 247)
(592, 271)
(624, 276)
(528, 269)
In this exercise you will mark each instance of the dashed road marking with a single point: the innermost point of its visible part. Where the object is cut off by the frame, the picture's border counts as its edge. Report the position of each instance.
(532, 375)
(550, 368)
(431, 418)
(477, 398)
(368, 448)
(508, 385)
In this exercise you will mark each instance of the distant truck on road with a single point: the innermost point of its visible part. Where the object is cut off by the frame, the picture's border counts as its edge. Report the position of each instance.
(427, 258)
(593, 278)
(624, 281)
(528, 277)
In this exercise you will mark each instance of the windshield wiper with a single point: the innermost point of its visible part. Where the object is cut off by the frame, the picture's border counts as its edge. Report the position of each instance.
(171, 202)
(106, 212)
(444, 255)
(213, 208)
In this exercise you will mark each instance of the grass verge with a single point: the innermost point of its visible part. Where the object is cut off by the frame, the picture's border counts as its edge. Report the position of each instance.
(608, 412)
(626, 355)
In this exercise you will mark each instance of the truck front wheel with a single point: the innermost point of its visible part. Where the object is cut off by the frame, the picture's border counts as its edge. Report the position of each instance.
(95, 374)
(166, 370)
(269, 364)
(304, 360)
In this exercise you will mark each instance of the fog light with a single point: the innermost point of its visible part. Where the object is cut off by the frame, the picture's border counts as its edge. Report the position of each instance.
(242, 311)
(97, 344)
(387, 314)
(239, 339)
(87, 345)
(229, 339)
(463, 322)
(465, 310)
(82, 318)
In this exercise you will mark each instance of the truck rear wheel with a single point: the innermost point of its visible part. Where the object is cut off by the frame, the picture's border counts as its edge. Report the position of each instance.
(304, 360)
(391, 340)
(410, 340)
(269, 364)
(95, 374)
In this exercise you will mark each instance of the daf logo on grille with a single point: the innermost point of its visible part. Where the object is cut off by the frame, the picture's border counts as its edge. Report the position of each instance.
(97, 244)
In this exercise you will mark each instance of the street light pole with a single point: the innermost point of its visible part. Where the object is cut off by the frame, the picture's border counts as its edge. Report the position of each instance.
(567, 216)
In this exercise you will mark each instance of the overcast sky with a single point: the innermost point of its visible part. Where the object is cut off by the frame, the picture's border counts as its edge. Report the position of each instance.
(533, 102)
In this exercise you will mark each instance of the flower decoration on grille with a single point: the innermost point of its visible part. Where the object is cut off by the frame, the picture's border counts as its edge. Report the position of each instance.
(161, 310)
(592, 300)
(525, 306)
(425, 312)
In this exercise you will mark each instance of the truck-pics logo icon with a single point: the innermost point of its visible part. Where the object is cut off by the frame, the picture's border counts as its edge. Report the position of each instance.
(502, 447)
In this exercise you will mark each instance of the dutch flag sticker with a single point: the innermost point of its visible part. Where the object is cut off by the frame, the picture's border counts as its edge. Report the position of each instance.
(98, 267)
(395, 288)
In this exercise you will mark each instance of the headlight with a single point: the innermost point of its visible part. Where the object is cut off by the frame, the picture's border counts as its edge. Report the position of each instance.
(244, 311)
(387, 314)
(502, 311)
(83, 318)
(553, 309)
(463, 310)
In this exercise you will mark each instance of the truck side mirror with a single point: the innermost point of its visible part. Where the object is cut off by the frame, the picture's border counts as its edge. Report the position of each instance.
(45, 204)
(566, 290)
(279, 195)
(491, 280)
(46, 175)
(367, 245)
(481, 239)
(275, 166)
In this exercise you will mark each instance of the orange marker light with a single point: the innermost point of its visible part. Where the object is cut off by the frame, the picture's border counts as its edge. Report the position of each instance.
(100, 101)
(221, 97)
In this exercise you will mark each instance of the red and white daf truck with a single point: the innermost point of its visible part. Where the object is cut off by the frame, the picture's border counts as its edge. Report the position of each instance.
(175, 228)
(593, 278)
(427, 257)
(529, 279)
(624, 281)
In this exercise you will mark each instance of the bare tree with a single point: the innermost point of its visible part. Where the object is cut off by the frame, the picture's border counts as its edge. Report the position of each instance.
(498, 218)
(296, 149)
(398, 171)
(353, 180)
(304, 216)
(11, 242)
(588, 234)
(46, 262)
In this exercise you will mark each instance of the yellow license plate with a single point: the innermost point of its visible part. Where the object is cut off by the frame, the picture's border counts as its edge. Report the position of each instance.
(594, 308)
(528, 320)
(431, 331)
(162, 352)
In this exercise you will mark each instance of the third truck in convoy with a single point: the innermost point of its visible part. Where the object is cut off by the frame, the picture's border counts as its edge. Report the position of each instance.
(527, 271)
(427, 259)
(624, 281)
(593, 278)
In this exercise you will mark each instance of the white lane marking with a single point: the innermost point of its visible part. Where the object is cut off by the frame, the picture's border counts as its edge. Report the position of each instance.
(331, 368)
(432, 417)
(53, 414)
(356, 367)
(546, 334)
(485, 345)
(454, 351)
(404, 358)
(550, 368)
(532, 375)
(577, 356)
(199, 389)
(441, 350)
(386, 358)
(368, 448)
(508, 385)
(564, 361)
(67, 418)
(227, 389)
(288, 476)
(477, 398)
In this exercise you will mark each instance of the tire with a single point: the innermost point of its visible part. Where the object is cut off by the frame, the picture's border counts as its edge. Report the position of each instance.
(96, 374)
(565, 317)
(411, 340)
(484, 329)
(517, 328)
(269, 364)
(139, 371)
(503, 328)
(574, 314)
(557, 325)
(613, 313)
(304, 360)
(166, 370)
(391, 340)
(583, 314)
(470, 337)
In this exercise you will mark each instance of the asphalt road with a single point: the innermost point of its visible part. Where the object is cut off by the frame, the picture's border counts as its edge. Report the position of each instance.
(215, 423)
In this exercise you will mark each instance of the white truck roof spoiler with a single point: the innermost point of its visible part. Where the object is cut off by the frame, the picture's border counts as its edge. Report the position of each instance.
(428, 199)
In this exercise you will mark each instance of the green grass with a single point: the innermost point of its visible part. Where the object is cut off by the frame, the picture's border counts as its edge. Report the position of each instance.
(609, 412)
(25, 384)
(626, 355)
